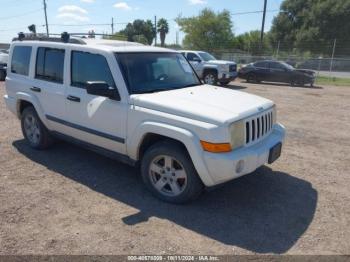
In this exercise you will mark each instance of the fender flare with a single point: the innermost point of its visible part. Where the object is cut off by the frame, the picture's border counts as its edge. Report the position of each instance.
(190, 140)
(21, 96)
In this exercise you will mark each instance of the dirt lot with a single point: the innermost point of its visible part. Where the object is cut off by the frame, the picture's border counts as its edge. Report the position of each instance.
(70, 201)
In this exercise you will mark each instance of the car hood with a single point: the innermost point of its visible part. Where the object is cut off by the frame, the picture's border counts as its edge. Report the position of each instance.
(210, 104)
(305, 71)
(220, 62)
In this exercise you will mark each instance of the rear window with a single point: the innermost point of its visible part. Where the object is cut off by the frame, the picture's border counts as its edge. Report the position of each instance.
(49, 64)
(21, 60)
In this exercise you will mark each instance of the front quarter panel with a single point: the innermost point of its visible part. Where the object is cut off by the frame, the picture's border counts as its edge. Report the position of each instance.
(184, 136)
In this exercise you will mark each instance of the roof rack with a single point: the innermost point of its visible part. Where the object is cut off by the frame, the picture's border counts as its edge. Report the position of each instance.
(65, 38)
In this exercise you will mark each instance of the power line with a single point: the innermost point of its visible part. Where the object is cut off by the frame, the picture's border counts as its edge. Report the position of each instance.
(256, 12)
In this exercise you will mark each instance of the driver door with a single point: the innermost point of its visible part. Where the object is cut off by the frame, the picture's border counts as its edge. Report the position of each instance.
(95, 119)
(196, 63)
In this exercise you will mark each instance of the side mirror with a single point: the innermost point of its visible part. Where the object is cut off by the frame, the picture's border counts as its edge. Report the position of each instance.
(100, 88)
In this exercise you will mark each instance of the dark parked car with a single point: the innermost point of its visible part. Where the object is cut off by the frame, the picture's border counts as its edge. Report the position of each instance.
(3, 63)
(276, 71)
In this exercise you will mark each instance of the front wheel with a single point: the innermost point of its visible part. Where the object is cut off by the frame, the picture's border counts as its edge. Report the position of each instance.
(210, 78)
(169, 174)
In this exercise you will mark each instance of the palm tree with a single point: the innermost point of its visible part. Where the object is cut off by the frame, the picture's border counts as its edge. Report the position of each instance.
(163, 29)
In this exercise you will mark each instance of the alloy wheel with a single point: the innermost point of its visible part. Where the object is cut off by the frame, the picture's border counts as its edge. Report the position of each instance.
(167, 175)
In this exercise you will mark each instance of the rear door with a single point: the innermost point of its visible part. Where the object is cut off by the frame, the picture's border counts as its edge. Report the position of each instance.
(262, 70)
(48, 85)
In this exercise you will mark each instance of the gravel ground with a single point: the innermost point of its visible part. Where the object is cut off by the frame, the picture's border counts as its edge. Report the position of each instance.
(70, 201)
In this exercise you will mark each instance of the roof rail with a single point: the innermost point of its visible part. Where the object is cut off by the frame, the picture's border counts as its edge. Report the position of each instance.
(65, 38)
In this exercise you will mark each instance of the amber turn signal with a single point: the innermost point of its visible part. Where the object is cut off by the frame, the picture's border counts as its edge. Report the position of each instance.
(216, 148)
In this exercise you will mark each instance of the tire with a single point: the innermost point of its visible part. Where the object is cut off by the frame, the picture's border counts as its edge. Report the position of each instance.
(34, 131)
(210, 78)
(2, 75)
(162, 181)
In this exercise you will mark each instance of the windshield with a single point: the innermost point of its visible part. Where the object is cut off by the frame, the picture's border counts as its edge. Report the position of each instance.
(206, 56)
(153, 72)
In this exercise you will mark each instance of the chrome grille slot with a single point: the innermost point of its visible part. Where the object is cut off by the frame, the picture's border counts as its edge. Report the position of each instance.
(258, 127)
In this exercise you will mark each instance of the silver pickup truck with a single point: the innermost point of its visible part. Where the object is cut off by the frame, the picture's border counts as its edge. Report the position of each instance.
(211, 70)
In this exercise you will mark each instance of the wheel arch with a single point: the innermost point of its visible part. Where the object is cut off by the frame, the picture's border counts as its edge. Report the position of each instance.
(210, 69)
(24, 100)
(148, 133)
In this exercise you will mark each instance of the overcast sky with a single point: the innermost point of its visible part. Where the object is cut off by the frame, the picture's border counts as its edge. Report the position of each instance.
(16, 15)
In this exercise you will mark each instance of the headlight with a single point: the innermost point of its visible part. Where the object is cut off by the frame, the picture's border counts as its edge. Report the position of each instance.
(237, 131)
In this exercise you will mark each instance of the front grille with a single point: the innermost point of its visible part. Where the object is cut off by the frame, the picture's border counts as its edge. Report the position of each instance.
(233, 68)
(258, 127)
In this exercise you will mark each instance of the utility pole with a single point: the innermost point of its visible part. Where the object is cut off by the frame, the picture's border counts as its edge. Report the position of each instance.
(263, 25)
(155, 30)
(47, 26)
(112, 25)
(278, 49)
(331, 66)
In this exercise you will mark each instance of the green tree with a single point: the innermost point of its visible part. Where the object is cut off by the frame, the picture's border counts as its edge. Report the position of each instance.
(312, 25)
(163, 30)
(139, 31)
(207, 31)
(250, 42)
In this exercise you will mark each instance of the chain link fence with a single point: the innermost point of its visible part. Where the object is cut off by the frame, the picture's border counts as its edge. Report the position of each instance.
(328, 58)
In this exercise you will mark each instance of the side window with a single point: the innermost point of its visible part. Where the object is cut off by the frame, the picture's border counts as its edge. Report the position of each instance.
(21, 60)
(87, 67)
(261, 64)
(192, 57)
(50, 64)
(275, 65)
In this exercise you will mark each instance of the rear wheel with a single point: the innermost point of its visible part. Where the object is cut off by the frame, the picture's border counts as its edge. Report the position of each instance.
(169, 174)
(34, 131)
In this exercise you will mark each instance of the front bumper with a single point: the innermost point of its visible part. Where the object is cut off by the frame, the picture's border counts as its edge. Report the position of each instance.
(227, 76)
(223, 167)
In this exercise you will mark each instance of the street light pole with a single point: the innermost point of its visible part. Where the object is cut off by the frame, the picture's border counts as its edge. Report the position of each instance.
(47, 26)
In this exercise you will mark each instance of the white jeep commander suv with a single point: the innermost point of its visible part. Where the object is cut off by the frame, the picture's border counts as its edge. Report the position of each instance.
(140, 104)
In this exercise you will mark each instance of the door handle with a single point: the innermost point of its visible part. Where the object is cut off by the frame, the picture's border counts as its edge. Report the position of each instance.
(35, 89)
(73, 98)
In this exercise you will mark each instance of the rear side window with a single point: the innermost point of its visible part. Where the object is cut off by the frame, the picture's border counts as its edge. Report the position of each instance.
(50, 64)
(261, 64)
(87, 67)
(21, 60)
